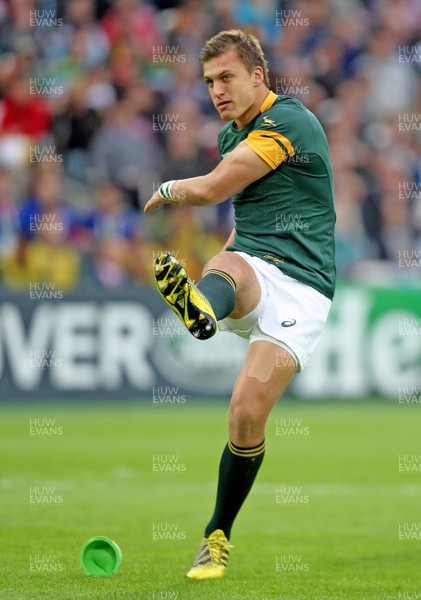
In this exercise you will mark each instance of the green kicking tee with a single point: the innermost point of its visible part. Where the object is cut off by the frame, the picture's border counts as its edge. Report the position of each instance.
(287, 217)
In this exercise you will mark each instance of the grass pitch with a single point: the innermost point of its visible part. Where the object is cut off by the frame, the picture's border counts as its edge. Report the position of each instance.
(334, 513)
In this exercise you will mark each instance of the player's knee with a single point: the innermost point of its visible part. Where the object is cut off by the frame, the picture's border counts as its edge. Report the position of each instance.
(248, 413)
(241, 414)
(229, 263)
(218, 261)
(245, 421)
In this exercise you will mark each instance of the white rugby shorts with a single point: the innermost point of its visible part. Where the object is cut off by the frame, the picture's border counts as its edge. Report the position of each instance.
(290, 314)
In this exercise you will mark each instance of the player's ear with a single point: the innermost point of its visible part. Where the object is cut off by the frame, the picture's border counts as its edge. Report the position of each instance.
(258, 75)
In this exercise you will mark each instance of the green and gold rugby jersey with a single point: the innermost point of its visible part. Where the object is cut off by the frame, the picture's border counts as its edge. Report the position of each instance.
(287, 217)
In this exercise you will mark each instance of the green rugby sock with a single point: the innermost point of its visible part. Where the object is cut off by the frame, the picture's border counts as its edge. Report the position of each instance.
(237, 471)
(219, 289)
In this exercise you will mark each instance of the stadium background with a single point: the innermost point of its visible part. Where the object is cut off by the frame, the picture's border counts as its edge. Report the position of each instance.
(99, 103)
(102, 101)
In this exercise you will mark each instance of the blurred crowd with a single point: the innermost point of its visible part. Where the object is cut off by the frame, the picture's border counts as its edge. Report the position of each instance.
(100, 101)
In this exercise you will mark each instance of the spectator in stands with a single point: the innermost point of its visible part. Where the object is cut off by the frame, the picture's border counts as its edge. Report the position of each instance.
(93, 43)
(113, 226)
(125, 149)
(9, 214)
(24, 111)
(25, 120)
(125, 65)
(80, 118)
(134, 20)
(45, 251)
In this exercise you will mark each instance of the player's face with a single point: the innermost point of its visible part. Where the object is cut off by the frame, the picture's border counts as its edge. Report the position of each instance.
(234, 91)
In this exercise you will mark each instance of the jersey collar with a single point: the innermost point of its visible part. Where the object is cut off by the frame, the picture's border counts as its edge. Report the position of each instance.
(268, 101)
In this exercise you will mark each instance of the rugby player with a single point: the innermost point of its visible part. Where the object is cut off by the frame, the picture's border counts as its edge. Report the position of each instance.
(273, 282)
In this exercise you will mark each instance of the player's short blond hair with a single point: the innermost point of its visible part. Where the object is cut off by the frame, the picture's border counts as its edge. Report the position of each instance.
(247, 46)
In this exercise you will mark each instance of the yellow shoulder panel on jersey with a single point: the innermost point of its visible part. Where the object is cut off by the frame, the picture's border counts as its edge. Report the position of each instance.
(266, 145)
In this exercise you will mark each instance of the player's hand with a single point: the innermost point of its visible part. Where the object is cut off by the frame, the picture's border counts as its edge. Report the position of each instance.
(154, 202)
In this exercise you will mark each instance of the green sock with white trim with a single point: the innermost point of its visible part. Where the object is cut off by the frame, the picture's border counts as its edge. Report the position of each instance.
(219, 289)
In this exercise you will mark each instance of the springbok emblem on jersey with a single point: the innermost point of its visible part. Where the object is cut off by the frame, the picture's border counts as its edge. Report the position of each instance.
(268, 121)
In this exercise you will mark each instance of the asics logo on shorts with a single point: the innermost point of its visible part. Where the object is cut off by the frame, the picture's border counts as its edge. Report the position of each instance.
(288, 323)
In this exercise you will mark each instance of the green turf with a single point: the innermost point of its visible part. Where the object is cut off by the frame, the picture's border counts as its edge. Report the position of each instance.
(343, 457)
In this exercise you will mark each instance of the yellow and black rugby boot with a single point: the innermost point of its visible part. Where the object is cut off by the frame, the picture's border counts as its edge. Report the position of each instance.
(212, 557)
(179, 291)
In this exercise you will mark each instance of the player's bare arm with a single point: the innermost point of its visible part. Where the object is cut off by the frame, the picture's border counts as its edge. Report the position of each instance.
(234, 173)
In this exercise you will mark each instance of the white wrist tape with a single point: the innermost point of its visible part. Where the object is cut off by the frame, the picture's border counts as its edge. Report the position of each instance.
(165, 190)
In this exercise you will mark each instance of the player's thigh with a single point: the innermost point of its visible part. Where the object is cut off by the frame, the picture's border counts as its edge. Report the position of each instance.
(267, 371)
(247, 285)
